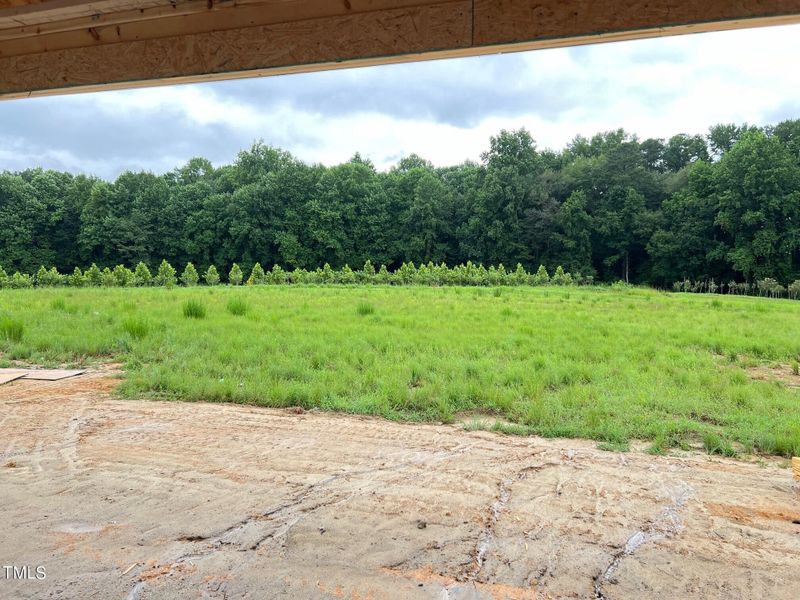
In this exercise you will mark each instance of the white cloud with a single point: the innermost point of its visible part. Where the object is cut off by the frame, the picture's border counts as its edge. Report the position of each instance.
(443, 110)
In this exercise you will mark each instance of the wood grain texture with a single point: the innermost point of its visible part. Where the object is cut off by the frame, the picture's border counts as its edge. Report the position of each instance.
(350, 37)
(179, 19)
(78, 14)
(243, 38)
(514, 21)
(82, 16)
(17, 3)
(45, 11)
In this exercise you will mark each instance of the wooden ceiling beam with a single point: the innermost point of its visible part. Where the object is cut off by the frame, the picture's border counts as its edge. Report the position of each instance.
(180, 19)
(513, 21)
(130, 44)
(44, 11)
(21, 28)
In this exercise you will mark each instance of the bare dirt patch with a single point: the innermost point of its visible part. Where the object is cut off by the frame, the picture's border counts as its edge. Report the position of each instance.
(138, 499)
(783, 373)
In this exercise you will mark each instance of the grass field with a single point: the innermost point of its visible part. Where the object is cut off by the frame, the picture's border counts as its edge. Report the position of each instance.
(611, 365)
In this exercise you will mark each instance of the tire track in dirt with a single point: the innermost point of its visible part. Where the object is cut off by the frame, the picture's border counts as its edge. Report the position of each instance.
(668, 523)
(486, 537)
(287, 514)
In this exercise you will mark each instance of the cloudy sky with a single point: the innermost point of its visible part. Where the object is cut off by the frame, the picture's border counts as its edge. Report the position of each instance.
(442, 110)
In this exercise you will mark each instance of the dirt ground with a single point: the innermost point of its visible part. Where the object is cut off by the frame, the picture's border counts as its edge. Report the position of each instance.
(139, 499)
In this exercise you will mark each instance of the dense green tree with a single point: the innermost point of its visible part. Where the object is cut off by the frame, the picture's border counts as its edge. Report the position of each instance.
(572, 234)
(190, 277)
(165, 276)
(93, 276)
(788, 132)
(611, 207)
(107, 278)
(653, 154)
(257, 275)
(687, 243)
(211, 276)
(509, 193)
(141, 275)
(123, 277)
(23, 225)
(724, 136)
(757, 188)
(682, 150)
(428, 220)
(620, 195)
(235, 276)
(541, 277)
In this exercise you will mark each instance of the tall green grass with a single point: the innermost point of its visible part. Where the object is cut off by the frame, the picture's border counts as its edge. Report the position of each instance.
(194, 309)
(365, 308)
(11, 330)
(136, 327)
(237, 306)
(607, 364)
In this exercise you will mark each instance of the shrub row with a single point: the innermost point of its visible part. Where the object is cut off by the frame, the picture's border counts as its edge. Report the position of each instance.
(408, 274)
(763, 287)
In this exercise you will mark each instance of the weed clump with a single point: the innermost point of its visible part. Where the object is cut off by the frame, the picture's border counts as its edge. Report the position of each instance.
(614, 446)
(365, 309)
(11, 330)
(135, 327)
(193, 309)
(237, 307)
(714, 444)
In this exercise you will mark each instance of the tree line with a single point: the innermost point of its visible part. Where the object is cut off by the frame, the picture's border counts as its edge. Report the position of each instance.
(430, 274)
(721, 207)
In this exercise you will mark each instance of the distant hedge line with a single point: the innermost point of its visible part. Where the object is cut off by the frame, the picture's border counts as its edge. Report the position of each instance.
(408, 274)
(767, 287)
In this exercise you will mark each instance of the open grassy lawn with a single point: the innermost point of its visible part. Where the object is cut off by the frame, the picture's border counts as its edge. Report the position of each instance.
(611, 365)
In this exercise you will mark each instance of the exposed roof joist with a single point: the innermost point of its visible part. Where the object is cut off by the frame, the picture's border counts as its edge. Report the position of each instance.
(55, 46)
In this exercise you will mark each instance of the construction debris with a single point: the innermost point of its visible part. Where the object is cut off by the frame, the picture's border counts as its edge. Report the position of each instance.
(52, 374)
(8, 375)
